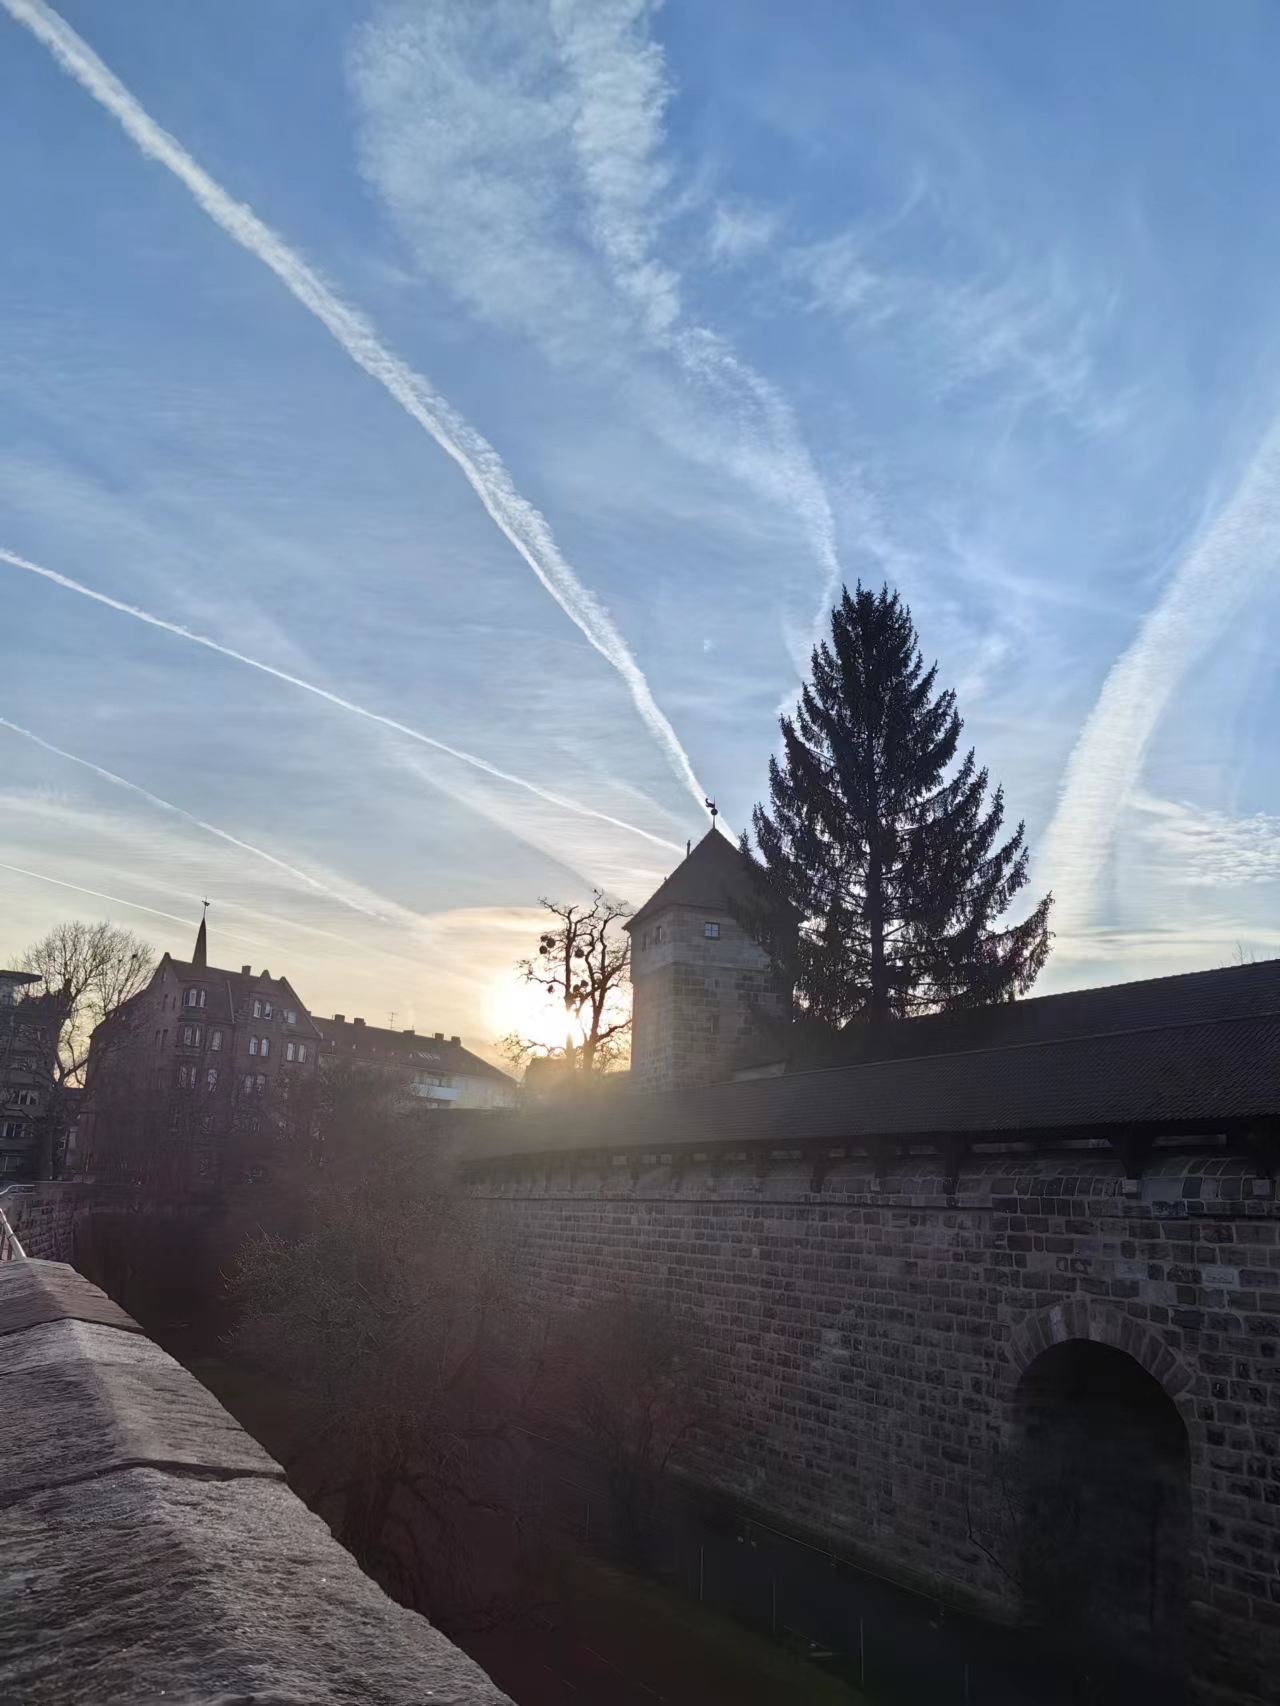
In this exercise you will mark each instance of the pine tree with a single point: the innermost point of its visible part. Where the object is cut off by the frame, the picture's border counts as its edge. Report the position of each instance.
(883, 854)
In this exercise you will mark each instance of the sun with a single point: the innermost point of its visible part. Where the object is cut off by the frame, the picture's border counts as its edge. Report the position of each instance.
(522, 1009)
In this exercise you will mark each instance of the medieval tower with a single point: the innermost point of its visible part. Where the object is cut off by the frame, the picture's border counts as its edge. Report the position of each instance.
(701, 986)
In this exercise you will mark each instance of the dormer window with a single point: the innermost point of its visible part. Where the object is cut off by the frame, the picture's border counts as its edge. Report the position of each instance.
(195, 998)
(711, 930)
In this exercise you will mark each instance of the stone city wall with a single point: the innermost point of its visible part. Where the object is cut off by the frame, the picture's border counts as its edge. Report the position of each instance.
(870, 1338)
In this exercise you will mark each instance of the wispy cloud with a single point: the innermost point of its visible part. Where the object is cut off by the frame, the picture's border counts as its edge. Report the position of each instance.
(623, 90)
(190, 817)
(1211, 848)
(95, 894)
(528, 167)
(183, 633)
(1235, 554)
(518, 519)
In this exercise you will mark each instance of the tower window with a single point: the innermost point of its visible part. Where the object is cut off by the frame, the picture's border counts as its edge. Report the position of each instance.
(711, 930)
(657, 932)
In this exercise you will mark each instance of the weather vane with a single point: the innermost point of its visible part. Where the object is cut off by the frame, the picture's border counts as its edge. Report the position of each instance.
(713, 808)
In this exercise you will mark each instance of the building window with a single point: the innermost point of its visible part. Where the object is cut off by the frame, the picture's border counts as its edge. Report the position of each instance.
(266, 1009)
(711, 930)
(264, 1046)
(211, 1079)
(253, 1045)
(25, 1098)
(257, 1009)
(302, 1054)
(259, 1084)
(196, 998)
(657, 932)
(215, 1040)
(186, 1078)
(290, 1017)
(248, 1084)
(291, 1051)
(11, 1128)
(191, 1036)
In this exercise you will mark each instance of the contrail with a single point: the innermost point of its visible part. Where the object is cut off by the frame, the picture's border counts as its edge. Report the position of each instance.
(521, 522)
(39, 877)
(624, 92)
(1232, 556)
(470, 758)
(189, 817)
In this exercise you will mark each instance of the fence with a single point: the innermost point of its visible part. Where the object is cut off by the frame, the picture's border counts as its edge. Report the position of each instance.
(901, 1648)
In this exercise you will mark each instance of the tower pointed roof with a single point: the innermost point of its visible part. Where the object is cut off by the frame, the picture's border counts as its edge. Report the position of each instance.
(200, 957)
(714, 876)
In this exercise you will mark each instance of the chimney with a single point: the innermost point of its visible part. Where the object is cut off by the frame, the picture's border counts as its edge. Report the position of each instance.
(357, 1021)
(409, 1031)
(439, 1037)
(339, 1018)
(266, 975)
(455, 1040)
(246, 971)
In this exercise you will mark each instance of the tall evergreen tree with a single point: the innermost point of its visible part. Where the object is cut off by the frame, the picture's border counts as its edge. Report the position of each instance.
(881, 854)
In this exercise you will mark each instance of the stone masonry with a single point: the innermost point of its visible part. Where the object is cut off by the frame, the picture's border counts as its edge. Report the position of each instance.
(698, 1001)
(871, 1334)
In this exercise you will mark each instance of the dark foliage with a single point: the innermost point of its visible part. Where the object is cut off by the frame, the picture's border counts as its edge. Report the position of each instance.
(883, 877)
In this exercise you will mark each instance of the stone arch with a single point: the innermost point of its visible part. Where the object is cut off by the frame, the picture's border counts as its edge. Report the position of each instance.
(1086, 1318)
(1099, 1428)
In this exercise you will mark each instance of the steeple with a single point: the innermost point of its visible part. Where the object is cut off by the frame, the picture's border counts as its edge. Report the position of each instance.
(201, 956)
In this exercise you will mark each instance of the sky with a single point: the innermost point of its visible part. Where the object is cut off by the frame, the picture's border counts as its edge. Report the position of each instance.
(432, 432)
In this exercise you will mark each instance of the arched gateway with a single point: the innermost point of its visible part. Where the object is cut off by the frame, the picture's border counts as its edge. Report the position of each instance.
(1103, 1465)
(1098, 1410)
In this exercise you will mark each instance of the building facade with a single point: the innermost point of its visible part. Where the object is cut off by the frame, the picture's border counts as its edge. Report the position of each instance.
(701, 988)
(29, 1028)
(433, 1072)
(191, 1076)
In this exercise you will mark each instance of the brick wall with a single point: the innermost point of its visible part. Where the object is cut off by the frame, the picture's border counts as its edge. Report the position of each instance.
(43, 1217)
(870, 1338)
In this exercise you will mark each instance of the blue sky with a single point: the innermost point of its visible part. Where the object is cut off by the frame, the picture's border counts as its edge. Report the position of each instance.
(576, 351)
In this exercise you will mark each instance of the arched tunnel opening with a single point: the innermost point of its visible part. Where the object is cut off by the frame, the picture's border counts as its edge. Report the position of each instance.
(1106, 1515)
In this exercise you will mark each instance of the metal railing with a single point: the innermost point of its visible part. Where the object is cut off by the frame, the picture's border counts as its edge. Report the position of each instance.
(10, 1249)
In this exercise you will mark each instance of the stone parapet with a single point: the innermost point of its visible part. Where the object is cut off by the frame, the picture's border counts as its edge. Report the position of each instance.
(149, 1549)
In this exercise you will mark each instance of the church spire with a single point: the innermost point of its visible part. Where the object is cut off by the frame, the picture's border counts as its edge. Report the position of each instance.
(201, 956)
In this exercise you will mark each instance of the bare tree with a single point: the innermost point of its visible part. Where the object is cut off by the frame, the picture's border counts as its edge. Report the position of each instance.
(394, 1322)
(92, 969)
(583, 964)
(87, 972)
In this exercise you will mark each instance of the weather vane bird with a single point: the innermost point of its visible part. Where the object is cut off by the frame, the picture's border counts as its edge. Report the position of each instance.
(713, 808)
